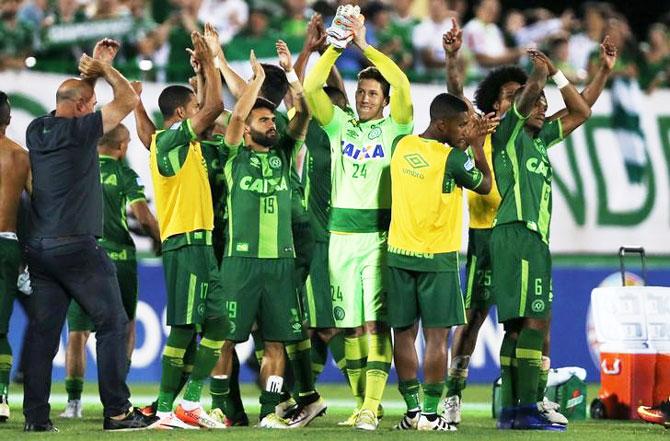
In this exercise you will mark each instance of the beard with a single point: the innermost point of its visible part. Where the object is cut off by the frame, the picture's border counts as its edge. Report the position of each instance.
(263, 138)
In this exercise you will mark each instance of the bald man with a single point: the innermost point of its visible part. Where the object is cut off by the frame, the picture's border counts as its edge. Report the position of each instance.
(65, 260)
(14, 176)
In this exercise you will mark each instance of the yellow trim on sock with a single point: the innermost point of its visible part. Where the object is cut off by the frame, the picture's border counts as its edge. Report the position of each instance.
(352, 347)
(6, 359)
(528, 353)
(505, 361)
(173, 352)
(211, 344)
(304, 345)
(188, 368)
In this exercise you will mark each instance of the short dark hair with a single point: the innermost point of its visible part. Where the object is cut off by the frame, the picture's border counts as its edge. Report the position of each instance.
(172, 97)
(264, 103)
(445, 106)
(488, 90)
(112, 139)
(335, 95)
(372, 73)
(5, 109)
(276, 85)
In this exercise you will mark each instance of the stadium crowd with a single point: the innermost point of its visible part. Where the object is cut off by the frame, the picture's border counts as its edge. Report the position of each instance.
(54, 34)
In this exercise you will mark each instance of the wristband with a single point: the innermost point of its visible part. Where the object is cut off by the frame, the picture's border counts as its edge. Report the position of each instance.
(560, 80)
(292, 77)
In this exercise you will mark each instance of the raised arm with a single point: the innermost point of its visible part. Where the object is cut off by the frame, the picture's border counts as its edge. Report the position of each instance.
(608, 55)
(479, 127)
(125, 98)
(297, 127)
(144, 216)
(401, 98)
(451, 42)
(235, 131)
(536, 82)
(314, 42)
(212, 105)
(234, 82)
(319, 102)
(143, 124)
(577, 107)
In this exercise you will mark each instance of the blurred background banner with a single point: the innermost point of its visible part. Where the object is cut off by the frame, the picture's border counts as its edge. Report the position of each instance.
(611, 177)
(573, 341)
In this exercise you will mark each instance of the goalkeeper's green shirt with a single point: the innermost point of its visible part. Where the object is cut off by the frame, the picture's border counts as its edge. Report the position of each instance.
(121, 187)
(523, 172)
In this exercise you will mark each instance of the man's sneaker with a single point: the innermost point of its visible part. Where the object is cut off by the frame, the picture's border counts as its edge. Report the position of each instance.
(435, 422)
(452, 409)
(273, 421)
(72, 410)
(305, 414)
(286, 407)
(150, 410)
(530, 418)
(659, 414)
(551, 411)
(134, 420)
(45, 427)
(198, 417)
(366, 420)
(171, 422)
(506, 419)
(349, 422)
(4, 409)
(409, 421)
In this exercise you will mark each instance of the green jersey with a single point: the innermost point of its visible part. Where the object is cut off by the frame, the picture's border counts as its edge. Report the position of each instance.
(316, 176)
(215, 157)
(360, 171)
(120, 187)
(523, 172)
(259, 201)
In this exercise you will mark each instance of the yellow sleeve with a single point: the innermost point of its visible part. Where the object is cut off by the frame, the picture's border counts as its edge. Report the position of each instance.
(401, 98)
(318, 101)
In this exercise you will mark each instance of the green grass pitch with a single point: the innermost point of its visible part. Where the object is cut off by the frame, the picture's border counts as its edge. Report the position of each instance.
(477, 423)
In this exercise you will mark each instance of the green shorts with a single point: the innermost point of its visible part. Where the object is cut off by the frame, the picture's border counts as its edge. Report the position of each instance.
(261, 290)
(10, 260)
(126, 274)
(478, 269)
(357, 268)
(318, 301)
(521, 273)
(433, 297)
(193, 286)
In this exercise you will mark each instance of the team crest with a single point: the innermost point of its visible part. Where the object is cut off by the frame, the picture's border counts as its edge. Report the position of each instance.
(375, 133)
(537, 306)
(275, 162)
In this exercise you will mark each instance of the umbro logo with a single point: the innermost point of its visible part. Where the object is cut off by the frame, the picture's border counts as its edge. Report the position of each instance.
(416, 160)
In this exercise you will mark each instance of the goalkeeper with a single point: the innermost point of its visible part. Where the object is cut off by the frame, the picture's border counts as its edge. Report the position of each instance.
(361, 205)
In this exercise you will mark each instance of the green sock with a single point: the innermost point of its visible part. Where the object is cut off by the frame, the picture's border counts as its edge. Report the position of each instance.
(259, 345)
(410, 393)
(5, 364)
(432, 393)
(336, 346)
(458, 375)
(356, 352)
(219, 389)
(318, 356)
(74, 386)
(377, 373)
(529, 359)
(269, 400)
(206, 357)
(189, 359)
(507, 359)
(301, 364)
(172, 365)
(544, 377)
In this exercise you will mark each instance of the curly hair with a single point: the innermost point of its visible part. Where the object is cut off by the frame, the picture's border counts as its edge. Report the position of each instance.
(488, 91)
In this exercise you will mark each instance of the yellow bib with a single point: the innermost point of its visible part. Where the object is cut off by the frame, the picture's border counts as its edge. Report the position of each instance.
(183, 201)
(423, 218)
(483, 208)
